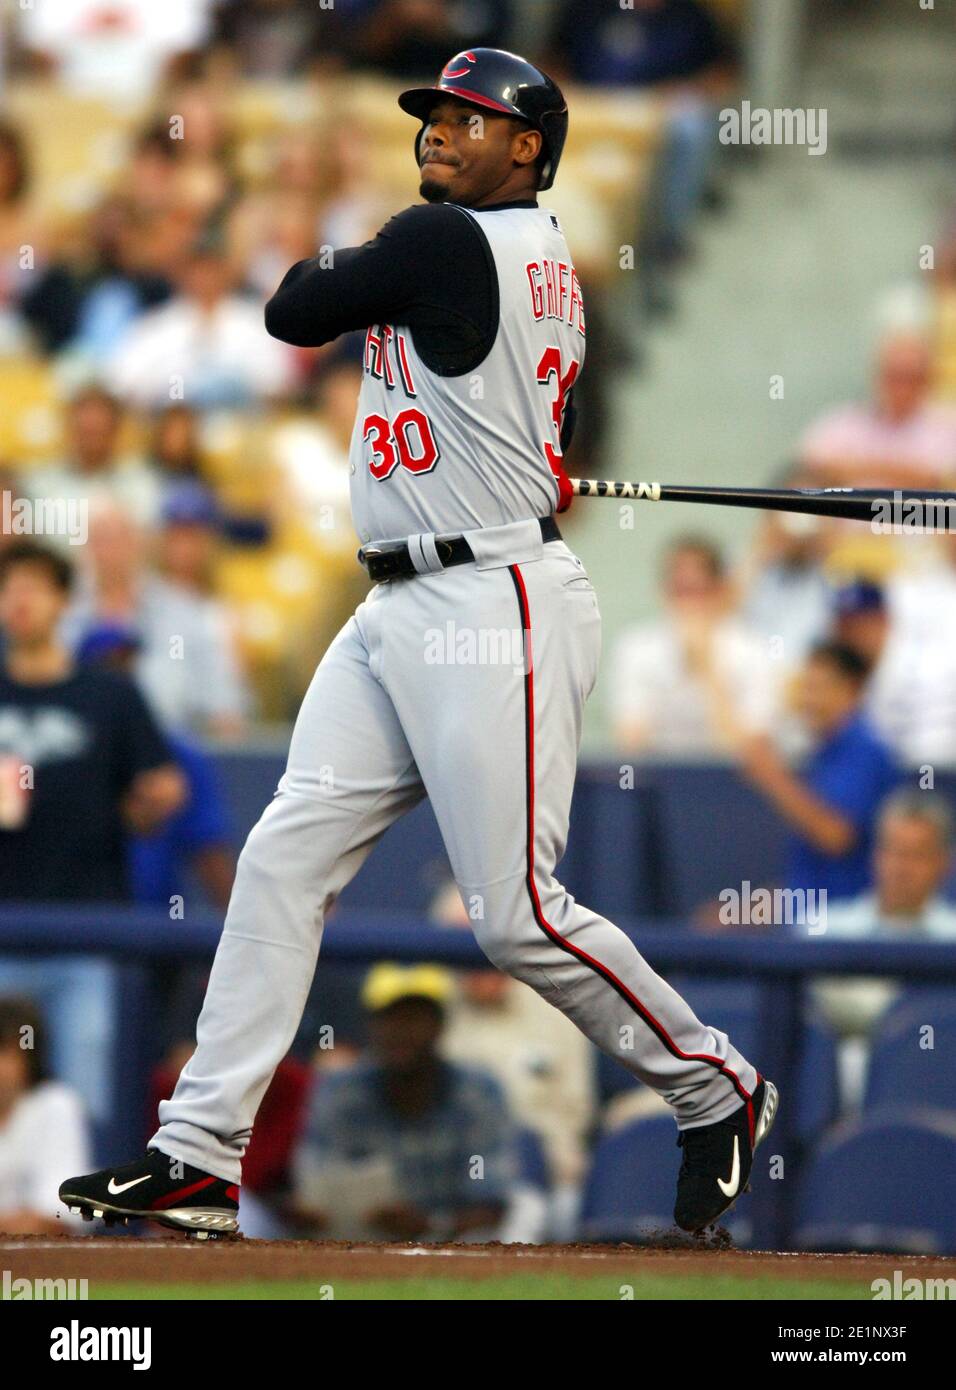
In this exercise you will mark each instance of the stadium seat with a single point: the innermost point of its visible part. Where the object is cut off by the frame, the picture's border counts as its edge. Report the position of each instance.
(620, 886)
(946, 345)
(629, 1191)
(248, 783)
(260, 108)
(875, 1183)
(29, 412)
(902, 1063)
(935, 1001)
(817, 1099)
(715, 999)
(77, 143)
(691, 803)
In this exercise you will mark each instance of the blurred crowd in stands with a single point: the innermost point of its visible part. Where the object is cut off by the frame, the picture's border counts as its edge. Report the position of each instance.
(823, 662)
(161, 167)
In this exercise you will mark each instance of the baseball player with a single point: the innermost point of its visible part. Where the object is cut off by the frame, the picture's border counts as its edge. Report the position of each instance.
(462, 676)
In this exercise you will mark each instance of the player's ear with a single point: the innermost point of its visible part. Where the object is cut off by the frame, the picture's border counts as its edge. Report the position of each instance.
(526, 145)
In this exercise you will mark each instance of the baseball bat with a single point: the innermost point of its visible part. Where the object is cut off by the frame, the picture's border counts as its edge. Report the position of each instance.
(909, 508)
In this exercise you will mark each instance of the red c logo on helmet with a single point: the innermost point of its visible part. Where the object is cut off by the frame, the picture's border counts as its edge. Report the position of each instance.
(458, 72)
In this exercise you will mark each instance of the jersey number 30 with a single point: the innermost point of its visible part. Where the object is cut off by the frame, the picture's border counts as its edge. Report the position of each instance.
(406, 440)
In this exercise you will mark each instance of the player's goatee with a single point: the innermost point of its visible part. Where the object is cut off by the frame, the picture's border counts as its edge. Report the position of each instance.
(432, 192)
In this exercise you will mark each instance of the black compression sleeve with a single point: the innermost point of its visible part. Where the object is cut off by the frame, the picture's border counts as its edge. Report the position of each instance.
(427, 268)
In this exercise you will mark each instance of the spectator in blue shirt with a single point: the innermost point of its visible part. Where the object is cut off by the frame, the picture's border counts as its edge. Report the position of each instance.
(197, 838)
(831, 805)
(439, 1135)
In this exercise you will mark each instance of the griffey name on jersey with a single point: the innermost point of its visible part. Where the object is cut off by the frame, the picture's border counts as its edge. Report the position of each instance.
(556, 293)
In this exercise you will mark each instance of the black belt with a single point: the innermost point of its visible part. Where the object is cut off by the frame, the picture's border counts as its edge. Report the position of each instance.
(392, 559)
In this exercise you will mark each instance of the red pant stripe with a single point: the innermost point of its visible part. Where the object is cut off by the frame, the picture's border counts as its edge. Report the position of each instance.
(640, 1009)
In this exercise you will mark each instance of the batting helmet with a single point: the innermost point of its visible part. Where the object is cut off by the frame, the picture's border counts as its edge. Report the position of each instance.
(503, 82)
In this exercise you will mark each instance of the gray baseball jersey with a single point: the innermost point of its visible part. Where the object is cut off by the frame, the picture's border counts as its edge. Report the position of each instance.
(449, 453)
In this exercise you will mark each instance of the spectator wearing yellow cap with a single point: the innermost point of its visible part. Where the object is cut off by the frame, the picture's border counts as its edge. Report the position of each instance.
(406, 1146)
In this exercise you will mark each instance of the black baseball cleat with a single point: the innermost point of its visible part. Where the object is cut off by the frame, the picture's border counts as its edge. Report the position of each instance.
(158, 1188)
(718, 1159)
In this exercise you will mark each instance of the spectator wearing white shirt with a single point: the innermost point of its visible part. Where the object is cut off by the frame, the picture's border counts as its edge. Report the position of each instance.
(312, 454)
(187, 666)
(117, 50)
(911, 863)
(914, 689)
(786, 596)
(206, 690)
(687, 683)
(94, 468)
(207, 346)
(42, 1127)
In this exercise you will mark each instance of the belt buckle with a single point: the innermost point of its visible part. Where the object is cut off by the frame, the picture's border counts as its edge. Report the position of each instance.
(385, 554)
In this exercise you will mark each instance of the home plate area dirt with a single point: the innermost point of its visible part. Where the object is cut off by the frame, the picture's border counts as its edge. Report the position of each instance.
(458, 1271)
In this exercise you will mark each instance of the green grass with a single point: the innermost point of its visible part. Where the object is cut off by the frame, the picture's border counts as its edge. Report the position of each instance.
(548, 1287)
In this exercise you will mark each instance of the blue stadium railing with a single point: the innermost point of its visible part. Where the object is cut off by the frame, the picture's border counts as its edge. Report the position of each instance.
(138, 940)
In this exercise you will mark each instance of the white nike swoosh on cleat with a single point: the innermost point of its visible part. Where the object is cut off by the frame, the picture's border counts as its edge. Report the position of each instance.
(115, 1190)
(729, 1189)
